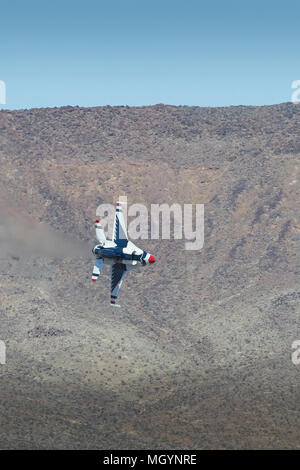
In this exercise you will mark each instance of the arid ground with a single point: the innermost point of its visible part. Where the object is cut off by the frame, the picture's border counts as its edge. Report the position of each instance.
(199, 354)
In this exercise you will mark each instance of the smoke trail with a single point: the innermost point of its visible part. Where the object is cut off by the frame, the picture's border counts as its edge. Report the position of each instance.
(22, 236)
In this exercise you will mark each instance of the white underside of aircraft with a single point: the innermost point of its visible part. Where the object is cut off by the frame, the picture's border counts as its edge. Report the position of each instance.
(120, 253)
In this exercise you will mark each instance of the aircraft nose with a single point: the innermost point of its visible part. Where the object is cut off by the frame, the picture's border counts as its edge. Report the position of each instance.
(151, 259)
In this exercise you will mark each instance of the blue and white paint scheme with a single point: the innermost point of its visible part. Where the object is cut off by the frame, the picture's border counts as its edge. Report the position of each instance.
(120, 253)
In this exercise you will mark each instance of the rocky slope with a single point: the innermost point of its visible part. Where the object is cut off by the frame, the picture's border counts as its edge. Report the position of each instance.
(199, 355)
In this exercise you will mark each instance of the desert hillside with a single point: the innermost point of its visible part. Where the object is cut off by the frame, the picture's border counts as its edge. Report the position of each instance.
(199, 354)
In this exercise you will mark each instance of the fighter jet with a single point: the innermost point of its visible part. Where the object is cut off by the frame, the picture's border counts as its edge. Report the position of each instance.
(120, 253)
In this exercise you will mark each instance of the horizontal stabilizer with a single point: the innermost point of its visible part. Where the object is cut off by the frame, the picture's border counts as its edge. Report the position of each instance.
(100, 235)
(98, 266)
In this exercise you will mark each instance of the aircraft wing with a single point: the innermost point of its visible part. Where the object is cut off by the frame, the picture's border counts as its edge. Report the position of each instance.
(117, 273)
(98, 266)
(120, 232)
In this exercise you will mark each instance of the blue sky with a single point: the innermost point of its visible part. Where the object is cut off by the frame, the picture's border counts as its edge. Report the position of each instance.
(92, 53)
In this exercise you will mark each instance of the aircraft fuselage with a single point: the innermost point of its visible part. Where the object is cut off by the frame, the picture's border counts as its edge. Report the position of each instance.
(117, 255)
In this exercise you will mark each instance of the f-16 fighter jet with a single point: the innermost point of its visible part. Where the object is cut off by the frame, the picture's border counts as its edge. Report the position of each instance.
(121, 254)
